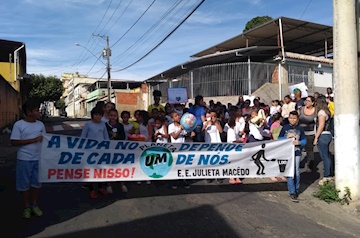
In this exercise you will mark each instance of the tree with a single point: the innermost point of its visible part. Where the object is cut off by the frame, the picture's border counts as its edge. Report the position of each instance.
(42, 88)
(256, 21)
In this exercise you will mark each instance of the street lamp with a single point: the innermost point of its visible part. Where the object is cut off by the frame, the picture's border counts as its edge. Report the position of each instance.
(77, 44)
(106, 53)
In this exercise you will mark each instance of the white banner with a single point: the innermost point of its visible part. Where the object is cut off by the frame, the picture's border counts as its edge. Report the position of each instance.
(303, 88)
(177, 95)
(74, 159)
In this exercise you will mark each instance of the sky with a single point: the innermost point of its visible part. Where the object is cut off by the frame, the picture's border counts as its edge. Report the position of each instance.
(51, 29)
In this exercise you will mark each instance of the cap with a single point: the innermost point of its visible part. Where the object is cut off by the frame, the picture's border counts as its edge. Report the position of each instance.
(297, 90)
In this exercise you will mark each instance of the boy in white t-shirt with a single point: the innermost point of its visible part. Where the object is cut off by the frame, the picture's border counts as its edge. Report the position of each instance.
(27, 134)
(177, 135)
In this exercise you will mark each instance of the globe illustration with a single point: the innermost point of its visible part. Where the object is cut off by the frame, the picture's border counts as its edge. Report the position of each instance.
(188, 121)
(156, 162)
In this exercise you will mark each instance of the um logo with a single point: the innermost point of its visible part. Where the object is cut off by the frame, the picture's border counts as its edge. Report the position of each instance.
(156, 162)
(154, 159)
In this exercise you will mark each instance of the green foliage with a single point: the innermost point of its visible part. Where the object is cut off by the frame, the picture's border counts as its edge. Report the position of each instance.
(330, 194)
(256, 21)
(60, 104)
(42, 88)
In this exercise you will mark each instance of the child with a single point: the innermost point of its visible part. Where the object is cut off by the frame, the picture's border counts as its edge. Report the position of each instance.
(232, 138)
(95, 129)
(256, 124)
(161, 133)
(275, 129)
(128, 127)
(116, 131)
(275, 107)
(145, 129)
(107, 107)
(27, 134)
(293, 130)
(177, 135)
(212, 129)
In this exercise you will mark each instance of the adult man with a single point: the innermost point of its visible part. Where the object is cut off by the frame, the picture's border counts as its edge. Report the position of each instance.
(300, 102)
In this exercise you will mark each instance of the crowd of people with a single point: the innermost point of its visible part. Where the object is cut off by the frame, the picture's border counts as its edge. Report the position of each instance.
(308, 120)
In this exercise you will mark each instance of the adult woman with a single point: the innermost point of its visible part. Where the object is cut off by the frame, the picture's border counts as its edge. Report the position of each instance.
(246, 109)
(323, 136)
(307, 121)
(198, 110)
(240, 102)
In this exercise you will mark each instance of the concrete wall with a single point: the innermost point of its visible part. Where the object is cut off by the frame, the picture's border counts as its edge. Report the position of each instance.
(9, 104)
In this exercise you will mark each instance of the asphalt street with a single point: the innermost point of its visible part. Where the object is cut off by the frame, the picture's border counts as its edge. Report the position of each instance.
(256, 208)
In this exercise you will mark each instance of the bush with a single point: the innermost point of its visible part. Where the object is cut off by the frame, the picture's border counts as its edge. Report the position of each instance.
(330, 194)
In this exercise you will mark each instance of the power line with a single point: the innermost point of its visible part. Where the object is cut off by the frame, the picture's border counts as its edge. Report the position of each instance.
(152, 28)
(83, 51)
(305, 9)
(168, 35)
(150, 46)
(134, 23)
(117, 7)
(119, 17)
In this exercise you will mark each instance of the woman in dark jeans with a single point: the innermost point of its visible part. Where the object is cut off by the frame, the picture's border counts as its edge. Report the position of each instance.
(323, 137)
(307, 121)
(198, 110)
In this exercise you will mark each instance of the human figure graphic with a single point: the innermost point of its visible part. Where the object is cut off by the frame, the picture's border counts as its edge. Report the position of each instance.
(257, 160)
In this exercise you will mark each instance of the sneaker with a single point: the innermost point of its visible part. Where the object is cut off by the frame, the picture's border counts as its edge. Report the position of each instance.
(102, 191)
(148, 182)
(124, 189)
(36, 210)
(92, 195)
(109, 189)
(294, 198)
(27, 213)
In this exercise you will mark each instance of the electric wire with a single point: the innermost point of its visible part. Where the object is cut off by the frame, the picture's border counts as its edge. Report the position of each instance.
(134, 23)
(147, 33)
(168, 35)
(305, 9)
(83, 51)
(159, 38)
(119, 17)
(117, 7)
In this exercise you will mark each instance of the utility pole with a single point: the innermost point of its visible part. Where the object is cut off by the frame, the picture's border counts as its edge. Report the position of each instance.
(107, 54)
(346, 98)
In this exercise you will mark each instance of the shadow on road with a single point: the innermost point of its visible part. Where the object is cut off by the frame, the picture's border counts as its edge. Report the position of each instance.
(203, 221)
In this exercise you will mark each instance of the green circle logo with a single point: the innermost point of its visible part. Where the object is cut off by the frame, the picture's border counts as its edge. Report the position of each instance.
(156, 162)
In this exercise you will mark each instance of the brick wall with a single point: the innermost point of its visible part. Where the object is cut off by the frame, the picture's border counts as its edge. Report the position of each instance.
(130, 101)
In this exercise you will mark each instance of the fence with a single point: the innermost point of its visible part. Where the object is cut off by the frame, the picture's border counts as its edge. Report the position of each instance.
(229, 79)
(298, 74)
